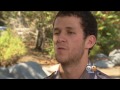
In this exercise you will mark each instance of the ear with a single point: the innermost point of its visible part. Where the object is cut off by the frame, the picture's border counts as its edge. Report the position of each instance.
(90, 41)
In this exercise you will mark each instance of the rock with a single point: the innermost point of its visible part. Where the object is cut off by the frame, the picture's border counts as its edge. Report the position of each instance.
(104, 64)
(115, 56)
(27, 70)
(4, 73)
(101, 56)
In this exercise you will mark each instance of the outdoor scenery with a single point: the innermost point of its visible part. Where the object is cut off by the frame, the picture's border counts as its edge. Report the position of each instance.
(27, 36)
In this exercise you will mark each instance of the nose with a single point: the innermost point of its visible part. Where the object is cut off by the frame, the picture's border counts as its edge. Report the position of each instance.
(61, 37)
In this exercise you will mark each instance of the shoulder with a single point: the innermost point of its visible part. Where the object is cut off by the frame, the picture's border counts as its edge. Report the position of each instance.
(101, 75)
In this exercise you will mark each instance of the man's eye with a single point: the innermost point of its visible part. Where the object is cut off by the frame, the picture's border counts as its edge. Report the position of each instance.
(56, 33)
(71, 33)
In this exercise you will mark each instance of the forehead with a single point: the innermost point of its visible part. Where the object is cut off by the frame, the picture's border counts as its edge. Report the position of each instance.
(67, 20)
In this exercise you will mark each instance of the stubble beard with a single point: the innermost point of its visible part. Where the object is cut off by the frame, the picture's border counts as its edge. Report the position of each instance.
(71, 59)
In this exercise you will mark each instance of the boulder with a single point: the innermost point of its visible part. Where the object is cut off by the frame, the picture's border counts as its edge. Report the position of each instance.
(4, 73)
(104, 64)
(27, 70)
(115, 56)
(101, 56)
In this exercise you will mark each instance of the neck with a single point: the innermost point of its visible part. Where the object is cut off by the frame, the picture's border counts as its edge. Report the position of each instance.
(75, 70)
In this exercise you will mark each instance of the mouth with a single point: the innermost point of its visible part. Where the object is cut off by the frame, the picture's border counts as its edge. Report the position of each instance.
(61, 48)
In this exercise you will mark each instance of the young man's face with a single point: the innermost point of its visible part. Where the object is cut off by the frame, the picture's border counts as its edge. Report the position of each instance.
(68, 37)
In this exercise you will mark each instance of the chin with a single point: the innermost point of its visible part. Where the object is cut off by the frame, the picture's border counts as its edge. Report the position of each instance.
(61, 59)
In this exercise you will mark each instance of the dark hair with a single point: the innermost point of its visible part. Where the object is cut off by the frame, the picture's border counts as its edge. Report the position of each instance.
(89, 22)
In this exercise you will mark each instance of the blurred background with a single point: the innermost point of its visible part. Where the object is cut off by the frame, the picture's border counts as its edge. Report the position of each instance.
(27, 36)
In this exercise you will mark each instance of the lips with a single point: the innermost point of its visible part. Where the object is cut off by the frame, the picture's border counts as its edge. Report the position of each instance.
(61, 48)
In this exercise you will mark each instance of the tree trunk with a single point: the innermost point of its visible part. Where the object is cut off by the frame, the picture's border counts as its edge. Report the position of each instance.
(40, 40)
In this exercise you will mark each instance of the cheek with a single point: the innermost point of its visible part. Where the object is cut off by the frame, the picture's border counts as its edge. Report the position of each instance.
(54, 39)
(76, 44)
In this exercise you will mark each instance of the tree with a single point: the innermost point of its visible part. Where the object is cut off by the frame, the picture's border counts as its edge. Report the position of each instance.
(38, 21)
(108, 31)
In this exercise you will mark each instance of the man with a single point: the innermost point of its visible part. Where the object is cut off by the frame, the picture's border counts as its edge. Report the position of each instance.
(74, 35)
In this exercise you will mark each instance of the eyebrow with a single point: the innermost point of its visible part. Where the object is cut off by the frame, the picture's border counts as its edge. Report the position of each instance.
(69, 28)
(56, 29)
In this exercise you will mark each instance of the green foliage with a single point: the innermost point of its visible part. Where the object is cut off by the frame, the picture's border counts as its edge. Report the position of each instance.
(50, 49)
(108, 31)
(10, 46)
(95, 50)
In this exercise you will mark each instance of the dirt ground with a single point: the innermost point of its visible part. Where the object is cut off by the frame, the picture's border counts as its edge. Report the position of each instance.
(46, 61)
(112, 72)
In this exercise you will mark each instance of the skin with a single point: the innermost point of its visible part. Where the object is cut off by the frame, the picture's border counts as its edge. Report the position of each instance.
(71, 48)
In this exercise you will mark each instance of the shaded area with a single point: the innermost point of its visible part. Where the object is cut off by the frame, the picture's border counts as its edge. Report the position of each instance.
(115, 77)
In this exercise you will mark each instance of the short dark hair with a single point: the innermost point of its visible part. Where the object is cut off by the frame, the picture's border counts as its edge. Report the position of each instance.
(89, 22)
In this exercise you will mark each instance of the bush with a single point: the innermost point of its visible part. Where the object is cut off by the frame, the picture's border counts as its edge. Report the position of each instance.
(10, 46)
(50, 49)
(96, 49)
